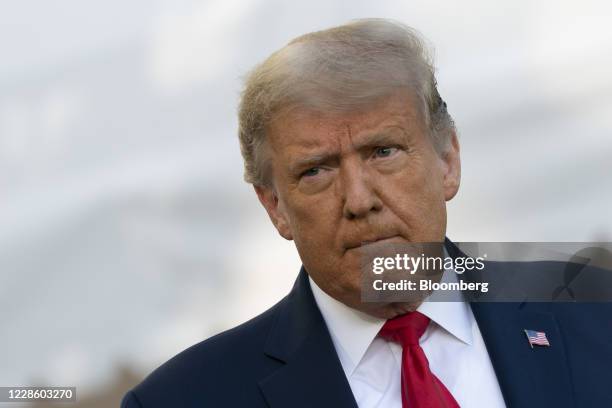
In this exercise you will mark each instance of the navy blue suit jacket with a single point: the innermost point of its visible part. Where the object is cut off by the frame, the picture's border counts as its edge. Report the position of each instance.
(285, 358)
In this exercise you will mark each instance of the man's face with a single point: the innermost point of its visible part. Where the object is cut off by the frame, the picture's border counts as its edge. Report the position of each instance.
(342, 182)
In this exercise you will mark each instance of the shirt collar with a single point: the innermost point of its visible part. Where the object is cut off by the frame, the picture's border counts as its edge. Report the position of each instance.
(352, 331)
(454, 317)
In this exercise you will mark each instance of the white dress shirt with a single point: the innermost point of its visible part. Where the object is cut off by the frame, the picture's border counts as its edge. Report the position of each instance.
(452, 343)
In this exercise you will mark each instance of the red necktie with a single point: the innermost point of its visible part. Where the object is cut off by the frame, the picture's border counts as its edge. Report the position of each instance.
(420, 387)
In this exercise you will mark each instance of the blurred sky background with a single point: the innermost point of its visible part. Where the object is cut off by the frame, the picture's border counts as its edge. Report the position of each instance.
(126, 231)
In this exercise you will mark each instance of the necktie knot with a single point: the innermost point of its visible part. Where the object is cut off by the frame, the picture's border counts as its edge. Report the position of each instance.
(406, 329)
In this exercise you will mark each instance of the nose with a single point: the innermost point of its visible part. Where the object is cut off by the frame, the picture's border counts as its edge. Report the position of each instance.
(359, 195)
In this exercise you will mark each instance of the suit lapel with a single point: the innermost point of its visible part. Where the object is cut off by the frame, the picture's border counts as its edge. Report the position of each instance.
(312, 374)
(537, 376)
(528, 377)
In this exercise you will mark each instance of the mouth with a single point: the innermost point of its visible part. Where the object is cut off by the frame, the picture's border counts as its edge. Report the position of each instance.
(377, 240)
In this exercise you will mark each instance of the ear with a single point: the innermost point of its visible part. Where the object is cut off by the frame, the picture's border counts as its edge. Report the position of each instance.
(275, 209)
(451, 168)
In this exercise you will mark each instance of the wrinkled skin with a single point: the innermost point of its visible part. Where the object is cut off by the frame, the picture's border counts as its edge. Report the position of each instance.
(343, 182)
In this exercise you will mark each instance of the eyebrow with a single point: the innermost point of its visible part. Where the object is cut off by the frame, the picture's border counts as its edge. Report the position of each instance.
(383, 138)
(313, 161)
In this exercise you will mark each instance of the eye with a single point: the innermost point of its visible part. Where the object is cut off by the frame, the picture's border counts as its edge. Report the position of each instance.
(384, 151)
(311, 172)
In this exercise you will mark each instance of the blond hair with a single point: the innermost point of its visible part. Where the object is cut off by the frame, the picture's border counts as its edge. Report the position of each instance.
(340, 69)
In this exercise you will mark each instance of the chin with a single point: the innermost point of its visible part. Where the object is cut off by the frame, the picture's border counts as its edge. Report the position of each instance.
(403, 308)
(390, 310)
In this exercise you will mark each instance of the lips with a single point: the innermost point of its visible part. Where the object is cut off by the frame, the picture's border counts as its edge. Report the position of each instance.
(371, 240)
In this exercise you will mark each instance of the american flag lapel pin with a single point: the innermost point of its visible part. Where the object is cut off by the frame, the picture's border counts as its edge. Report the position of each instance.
(536, 337)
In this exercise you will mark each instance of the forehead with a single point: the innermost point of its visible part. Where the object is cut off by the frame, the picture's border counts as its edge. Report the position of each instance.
(304, 129)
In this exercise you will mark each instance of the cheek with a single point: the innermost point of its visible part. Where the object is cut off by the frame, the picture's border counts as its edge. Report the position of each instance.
(416, 197)
(316, 225)
(312, 212)
(314, 220)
